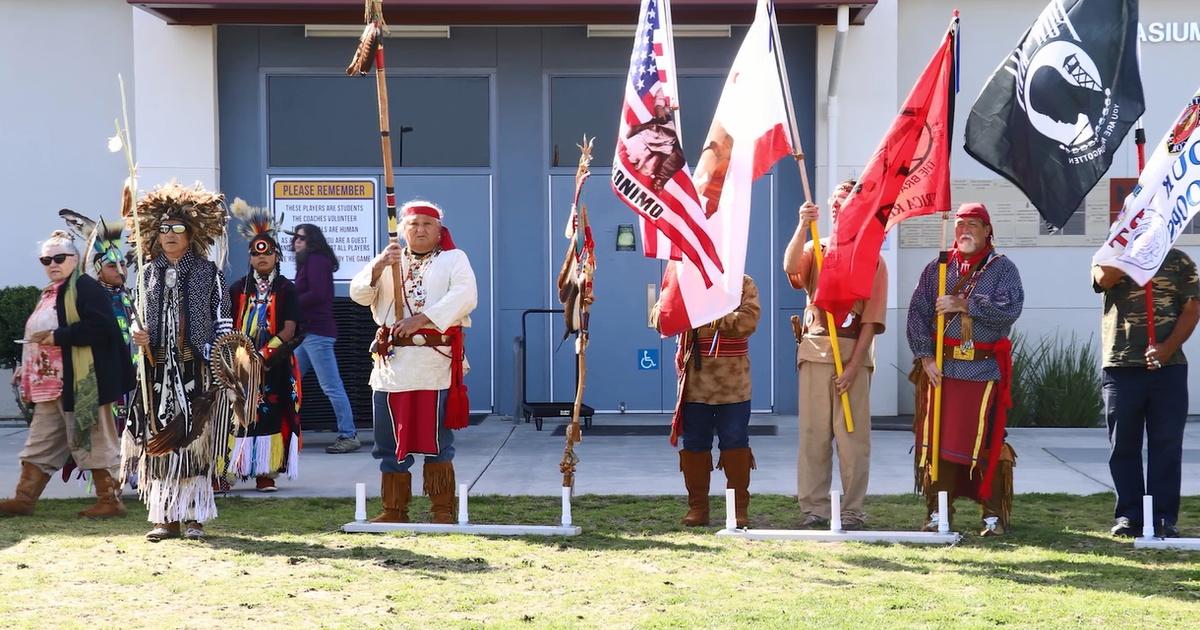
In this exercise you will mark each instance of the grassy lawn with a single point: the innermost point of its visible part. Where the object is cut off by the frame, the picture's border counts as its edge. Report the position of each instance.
(282, 563)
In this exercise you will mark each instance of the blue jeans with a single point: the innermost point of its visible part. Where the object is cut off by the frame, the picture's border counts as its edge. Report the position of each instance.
(316, 352)
(385, 437)
(1141, 402)
(730, 423)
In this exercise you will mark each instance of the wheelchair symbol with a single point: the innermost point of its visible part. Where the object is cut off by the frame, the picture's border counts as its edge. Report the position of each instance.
(648, 359)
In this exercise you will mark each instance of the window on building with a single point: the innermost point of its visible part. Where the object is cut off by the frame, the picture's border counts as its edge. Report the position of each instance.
(333, 121)
(592, 105)
(1075, 226)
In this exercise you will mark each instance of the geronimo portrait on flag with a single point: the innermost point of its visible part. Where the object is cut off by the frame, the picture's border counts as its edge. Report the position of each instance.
(653, 146)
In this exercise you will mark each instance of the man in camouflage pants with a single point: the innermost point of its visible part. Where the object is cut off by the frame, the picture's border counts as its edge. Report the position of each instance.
(1145, 387)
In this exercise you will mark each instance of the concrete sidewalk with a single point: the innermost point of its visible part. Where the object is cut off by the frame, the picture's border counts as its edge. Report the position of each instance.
(500, 457)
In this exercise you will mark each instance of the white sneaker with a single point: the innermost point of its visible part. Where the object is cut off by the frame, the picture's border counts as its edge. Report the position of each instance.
(932, 524)
(992, 527)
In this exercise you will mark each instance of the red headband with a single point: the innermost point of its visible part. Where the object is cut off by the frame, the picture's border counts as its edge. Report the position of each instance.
(445, 241)
(424, 211)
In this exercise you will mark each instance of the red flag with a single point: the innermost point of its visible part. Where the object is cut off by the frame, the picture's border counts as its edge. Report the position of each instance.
(909, 176)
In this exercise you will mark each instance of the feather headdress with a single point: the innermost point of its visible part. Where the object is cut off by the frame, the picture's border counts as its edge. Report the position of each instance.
(203, 212)
(254, 221)
(104, 236)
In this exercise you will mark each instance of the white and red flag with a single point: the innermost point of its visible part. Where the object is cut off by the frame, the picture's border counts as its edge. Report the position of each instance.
(1163, 203)
(749, 133)
(649, 171)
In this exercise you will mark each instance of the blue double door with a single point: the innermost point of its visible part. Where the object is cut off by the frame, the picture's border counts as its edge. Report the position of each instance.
(631, 368)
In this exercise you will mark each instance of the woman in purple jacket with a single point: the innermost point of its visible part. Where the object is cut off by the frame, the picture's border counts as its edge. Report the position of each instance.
(315, 264)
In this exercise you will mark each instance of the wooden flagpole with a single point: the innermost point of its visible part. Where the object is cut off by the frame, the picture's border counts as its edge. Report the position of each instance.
(934, 443)
(818, 255)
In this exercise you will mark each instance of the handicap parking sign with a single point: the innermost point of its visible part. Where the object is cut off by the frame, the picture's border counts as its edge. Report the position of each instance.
(647, 358)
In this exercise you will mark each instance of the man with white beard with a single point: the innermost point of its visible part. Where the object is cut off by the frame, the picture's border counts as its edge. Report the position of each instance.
(983, 299)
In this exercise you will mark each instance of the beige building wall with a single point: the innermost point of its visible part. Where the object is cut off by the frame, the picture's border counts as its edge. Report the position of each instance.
(58, 98)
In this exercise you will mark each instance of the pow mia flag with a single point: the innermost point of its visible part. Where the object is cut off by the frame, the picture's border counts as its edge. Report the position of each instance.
(1056, 110)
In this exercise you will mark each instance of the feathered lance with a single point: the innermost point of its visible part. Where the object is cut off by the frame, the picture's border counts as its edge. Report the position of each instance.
(578, 270)
(129, 205)
(370, 51)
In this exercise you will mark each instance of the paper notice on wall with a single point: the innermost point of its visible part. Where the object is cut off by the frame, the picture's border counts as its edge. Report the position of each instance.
(344, 209)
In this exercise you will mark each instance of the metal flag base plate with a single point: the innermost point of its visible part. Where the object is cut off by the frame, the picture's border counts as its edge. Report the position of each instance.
(835, 533)
(360, 524)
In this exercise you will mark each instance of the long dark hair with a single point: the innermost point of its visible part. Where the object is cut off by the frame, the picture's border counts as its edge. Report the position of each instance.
(314, 241)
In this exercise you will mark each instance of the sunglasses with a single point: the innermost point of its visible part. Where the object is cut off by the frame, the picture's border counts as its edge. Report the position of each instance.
(177, 228)
(299, 237)
(57, 259)
(263, 253)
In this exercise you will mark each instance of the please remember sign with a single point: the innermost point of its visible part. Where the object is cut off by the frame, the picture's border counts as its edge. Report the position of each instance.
(344, 209)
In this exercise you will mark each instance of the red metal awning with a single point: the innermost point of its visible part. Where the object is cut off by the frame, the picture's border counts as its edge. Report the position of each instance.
(495, 13)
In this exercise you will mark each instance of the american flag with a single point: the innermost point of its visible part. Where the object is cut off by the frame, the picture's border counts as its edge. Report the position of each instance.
(649, 172)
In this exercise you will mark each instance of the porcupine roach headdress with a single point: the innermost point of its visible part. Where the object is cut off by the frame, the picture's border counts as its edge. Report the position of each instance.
(259, 226)
(203, 212)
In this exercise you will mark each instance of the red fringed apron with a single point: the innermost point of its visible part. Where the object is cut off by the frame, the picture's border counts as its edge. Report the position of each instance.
(964, 427)
(415, 418)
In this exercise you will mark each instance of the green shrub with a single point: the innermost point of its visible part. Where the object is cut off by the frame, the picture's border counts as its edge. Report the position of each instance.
(16, 304)
(1056, 383)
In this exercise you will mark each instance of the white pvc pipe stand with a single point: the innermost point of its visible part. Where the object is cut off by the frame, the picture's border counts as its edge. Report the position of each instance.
(464, 526)
(1148, 516)
(835, 511)
(730, 510)
(1148, 541)
(943, 512)
(360, 502)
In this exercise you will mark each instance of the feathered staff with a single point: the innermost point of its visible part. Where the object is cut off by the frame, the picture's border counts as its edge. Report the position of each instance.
(575, 293)
(128, 208)
(370, 51)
